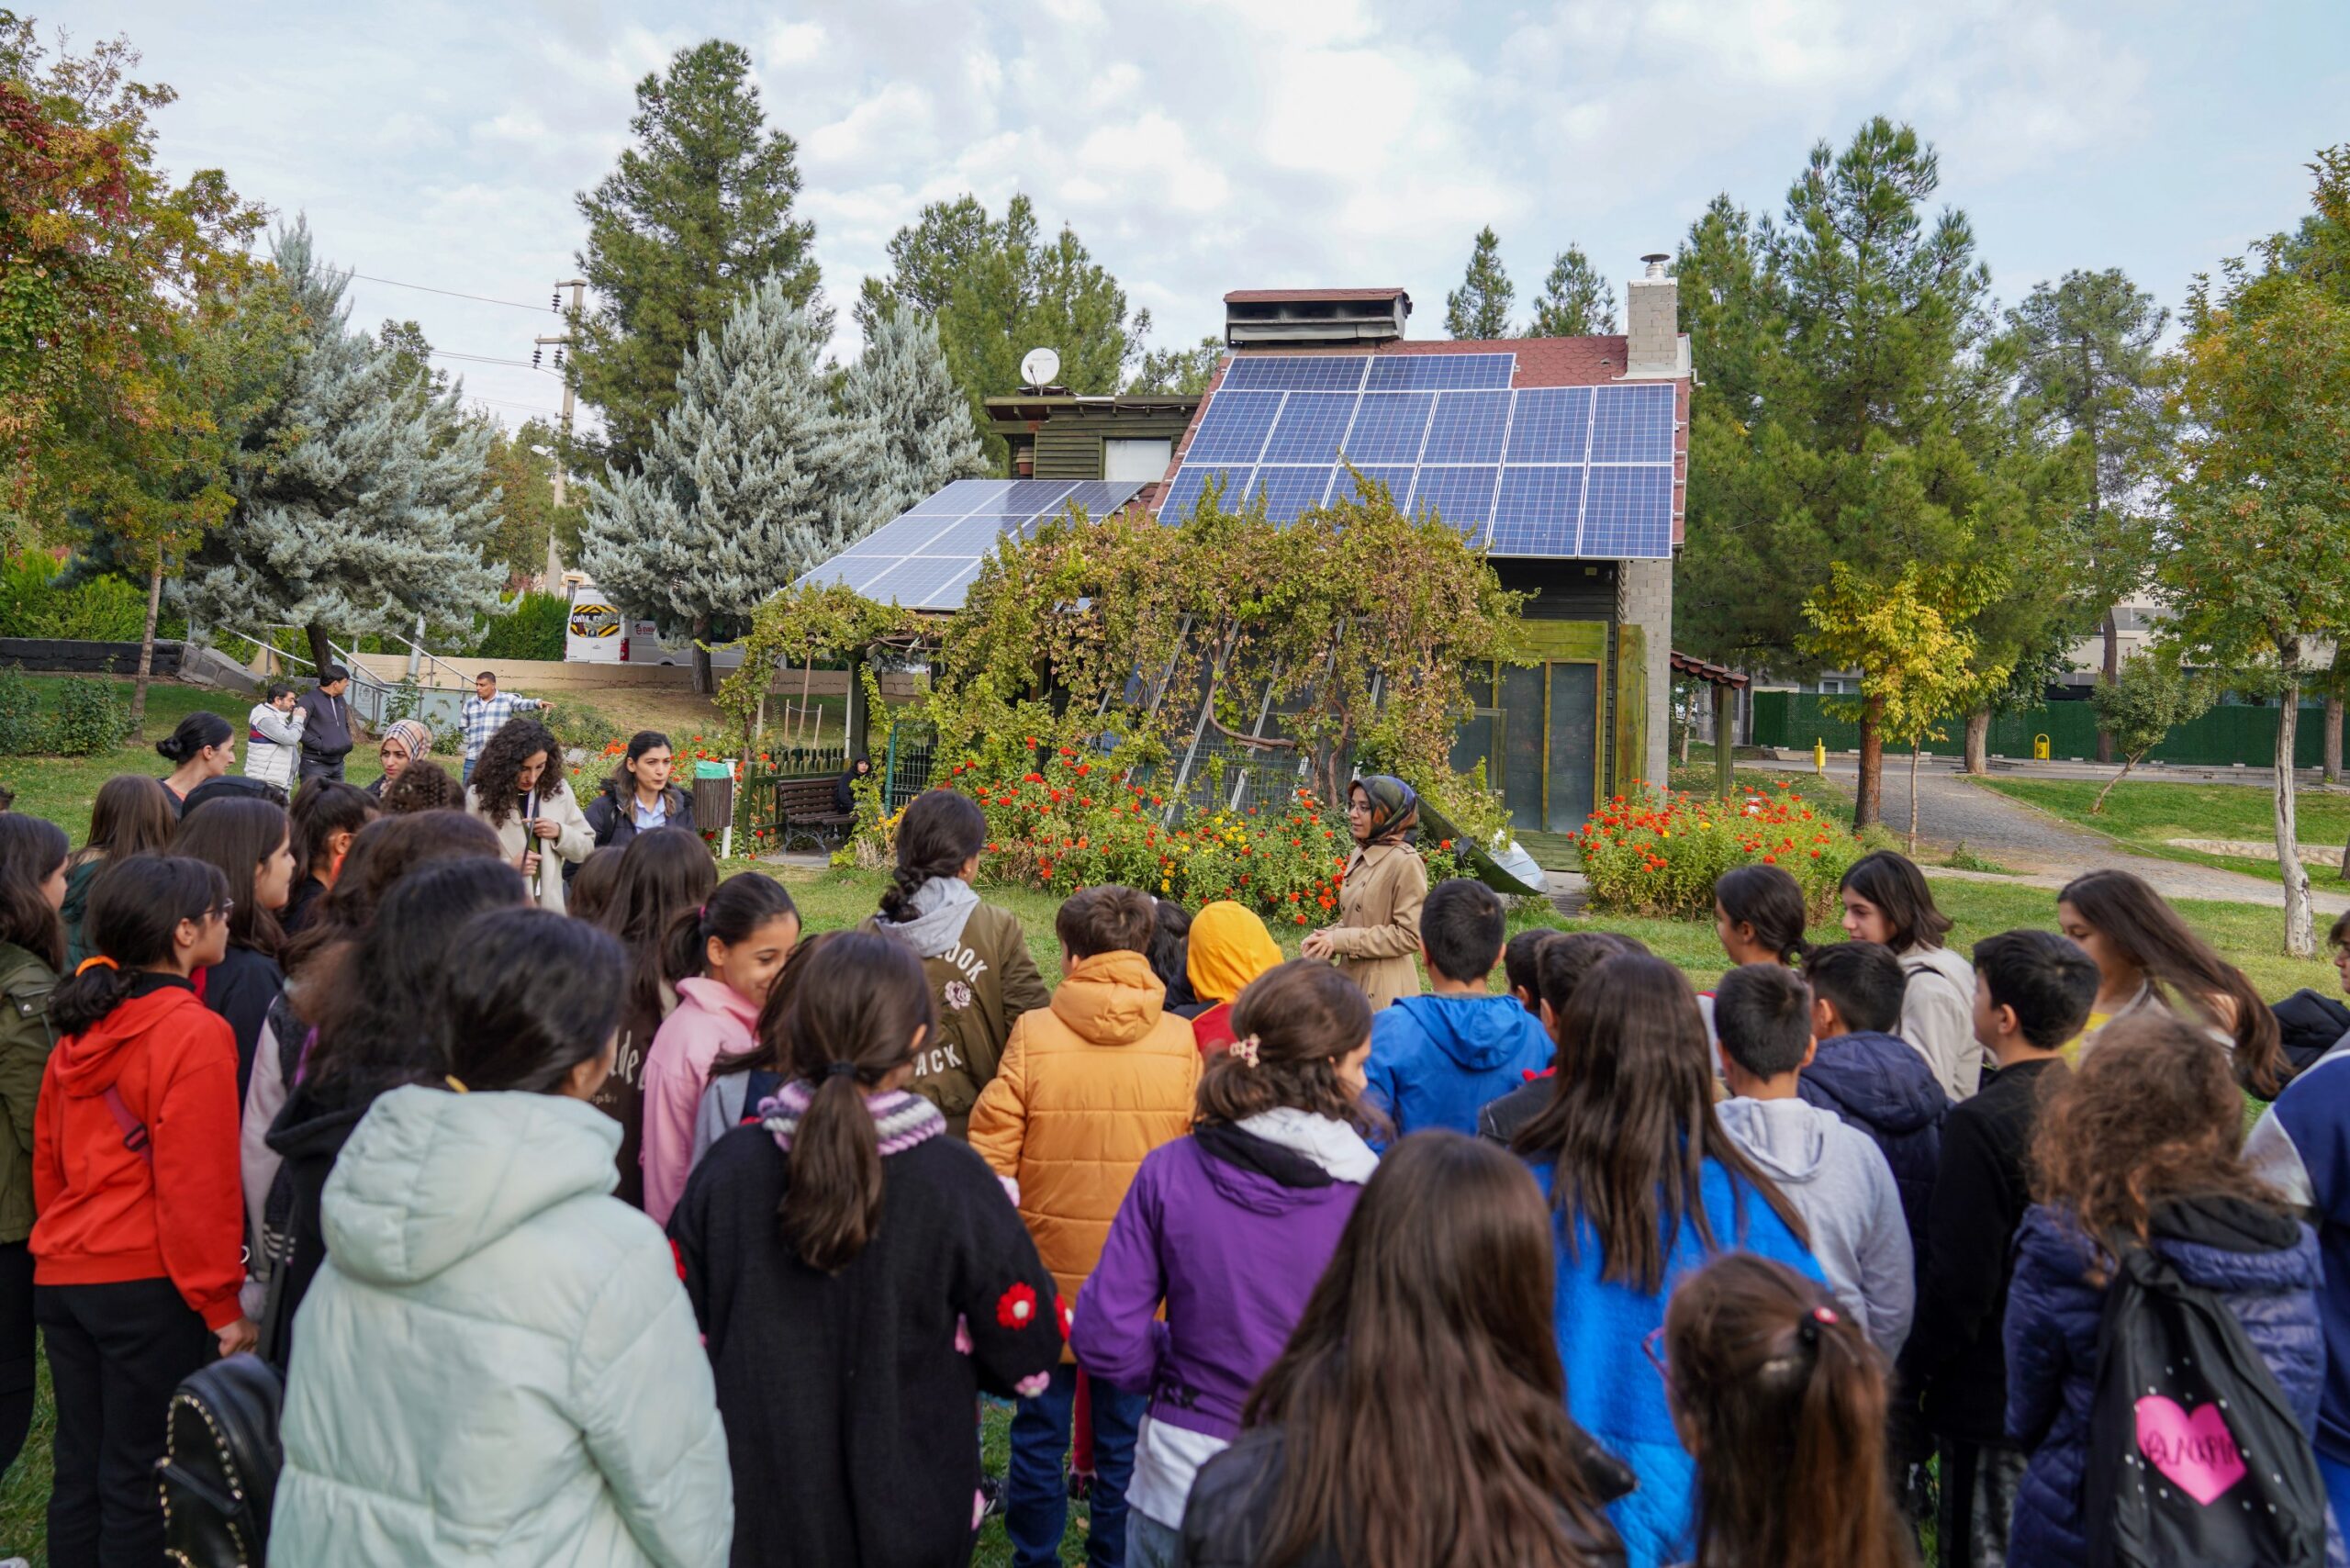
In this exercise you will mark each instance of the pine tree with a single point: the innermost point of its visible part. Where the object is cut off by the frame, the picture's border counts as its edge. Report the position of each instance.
(697, 207)
(1180, 370)
(921, 427)
(1479, 307)
(749, 481)
(370, 507)
(1575, 301)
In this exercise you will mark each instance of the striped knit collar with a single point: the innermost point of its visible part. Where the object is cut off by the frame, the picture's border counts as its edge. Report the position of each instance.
(901, 1120)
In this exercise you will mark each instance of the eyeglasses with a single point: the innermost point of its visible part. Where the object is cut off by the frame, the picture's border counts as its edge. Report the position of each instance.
(1652, 1347)
(220, 911)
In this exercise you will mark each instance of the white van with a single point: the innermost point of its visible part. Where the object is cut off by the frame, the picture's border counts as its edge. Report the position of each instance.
(598, 633)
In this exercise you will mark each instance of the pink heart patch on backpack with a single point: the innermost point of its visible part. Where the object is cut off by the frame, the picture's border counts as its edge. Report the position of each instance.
(2194, 1449)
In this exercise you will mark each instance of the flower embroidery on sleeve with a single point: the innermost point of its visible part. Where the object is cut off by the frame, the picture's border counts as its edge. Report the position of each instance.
(1016, 1308)
(1064, 1310)
(958, 995)
(679, 1253)
(1029, 1387)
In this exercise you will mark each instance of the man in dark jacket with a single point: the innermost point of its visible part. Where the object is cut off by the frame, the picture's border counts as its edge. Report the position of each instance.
(326, 734)
(2032, 993)
(1868, 1076)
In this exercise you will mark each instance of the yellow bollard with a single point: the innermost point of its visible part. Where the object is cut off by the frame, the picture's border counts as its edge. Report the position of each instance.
(1820, 756)
(2039, 748)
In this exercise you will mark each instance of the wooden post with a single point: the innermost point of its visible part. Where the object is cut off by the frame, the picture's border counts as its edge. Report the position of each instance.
(1725, 723)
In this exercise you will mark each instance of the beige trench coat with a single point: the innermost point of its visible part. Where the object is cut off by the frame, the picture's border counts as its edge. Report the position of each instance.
(572, 843)
(1378, 932)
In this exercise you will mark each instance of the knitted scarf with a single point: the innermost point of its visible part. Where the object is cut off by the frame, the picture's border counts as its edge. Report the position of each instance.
(899, 1119)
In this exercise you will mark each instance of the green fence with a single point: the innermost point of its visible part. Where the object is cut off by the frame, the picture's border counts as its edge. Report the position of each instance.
(2222, 735)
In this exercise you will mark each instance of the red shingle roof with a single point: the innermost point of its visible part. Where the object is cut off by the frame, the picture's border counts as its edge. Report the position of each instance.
(1292, 295)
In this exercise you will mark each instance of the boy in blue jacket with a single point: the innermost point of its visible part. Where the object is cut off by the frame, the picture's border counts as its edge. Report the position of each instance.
(1867, 1075)
(1437, 1059)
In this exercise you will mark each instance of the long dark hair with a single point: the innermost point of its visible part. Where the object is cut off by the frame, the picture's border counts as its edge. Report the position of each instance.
(859, 1005)
(132, 814)
(1631, 1123)
(621, 785)
(31, 851)
(1759, 1362)
(194, 733)
(135, 911)
(1421, 1399)
(525, 996)
(2179, 965)
(940, 832)
(381, 854)
(324, 808)
(499, 767)
(1892, 882)
(237, 835)
(742, 903)
(1770, 900)
(663, 876)
(369, 1040)
(1304, 1015)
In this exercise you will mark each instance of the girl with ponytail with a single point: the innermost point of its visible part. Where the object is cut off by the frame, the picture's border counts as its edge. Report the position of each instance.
(859, 1279)
(1756, 1360)
(138, 1251)
(729, 951)
(973, 954)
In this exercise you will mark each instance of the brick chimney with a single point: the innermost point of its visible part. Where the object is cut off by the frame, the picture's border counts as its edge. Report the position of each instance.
(1653, 349)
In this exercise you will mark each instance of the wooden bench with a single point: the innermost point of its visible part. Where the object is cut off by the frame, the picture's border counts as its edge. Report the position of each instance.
(804, 807)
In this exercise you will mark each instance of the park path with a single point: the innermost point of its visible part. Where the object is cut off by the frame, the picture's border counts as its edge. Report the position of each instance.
(2046, 851)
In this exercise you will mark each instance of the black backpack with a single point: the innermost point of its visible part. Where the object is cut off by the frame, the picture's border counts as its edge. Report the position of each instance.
(219, 1472)
(2194, 1455)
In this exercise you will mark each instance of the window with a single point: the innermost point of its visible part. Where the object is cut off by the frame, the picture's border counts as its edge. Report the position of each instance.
(1138, 461)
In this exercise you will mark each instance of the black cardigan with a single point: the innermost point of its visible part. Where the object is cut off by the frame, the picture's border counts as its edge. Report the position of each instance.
(847, 1405)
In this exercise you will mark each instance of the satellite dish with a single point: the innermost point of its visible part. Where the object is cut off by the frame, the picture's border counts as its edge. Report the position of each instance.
(1039, 367)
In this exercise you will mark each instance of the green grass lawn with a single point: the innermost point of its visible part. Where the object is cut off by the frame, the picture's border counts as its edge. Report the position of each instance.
(2145, 816)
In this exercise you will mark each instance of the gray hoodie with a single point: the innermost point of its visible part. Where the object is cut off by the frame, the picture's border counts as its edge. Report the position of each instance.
(1837, 1178)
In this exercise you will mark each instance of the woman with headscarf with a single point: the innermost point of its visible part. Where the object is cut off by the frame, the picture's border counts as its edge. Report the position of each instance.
(405, 741)
(1379, 899)
(1229, 948)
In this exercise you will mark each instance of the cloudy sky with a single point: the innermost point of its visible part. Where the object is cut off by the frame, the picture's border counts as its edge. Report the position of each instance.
(1202, 145)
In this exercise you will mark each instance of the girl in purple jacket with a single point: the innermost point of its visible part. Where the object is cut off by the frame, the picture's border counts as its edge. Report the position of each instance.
(1229, 1228)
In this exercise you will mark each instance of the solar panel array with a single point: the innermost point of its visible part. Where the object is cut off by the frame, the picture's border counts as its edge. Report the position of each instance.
(926, 558)
(1552, 471)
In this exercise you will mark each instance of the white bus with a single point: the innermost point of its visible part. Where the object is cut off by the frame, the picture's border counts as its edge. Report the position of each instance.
(597, 633)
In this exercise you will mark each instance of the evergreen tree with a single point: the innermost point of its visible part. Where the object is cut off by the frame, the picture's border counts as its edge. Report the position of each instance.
(1180, 371)
(1479, 307)
(368, 507)
(922, 438)
(1575, 301)
(750, 479)
(700, 205)
(925, 258)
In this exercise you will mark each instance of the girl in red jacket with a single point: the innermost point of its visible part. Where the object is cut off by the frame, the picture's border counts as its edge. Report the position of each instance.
(138, 1253)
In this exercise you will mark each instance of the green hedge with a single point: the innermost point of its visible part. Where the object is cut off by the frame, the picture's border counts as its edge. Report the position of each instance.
(2220, 736)
(102, 609)
(533, 629)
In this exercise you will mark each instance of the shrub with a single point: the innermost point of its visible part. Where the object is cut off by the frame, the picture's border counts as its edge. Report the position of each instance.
(105, 610)
(23, 731)
(532, 627)
(90, 718)
(1661, 854)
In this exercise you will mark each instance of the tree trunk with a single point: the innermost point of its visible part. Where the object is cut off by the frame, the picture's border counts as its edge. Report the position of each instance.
(147, 646)
(2098, 805)
(807, 681)
(2300, 932)
(1917, 746)
(2112, 672)
(2333, 738)
(1868, 794)
(702, 686)
(321, 646)
(1978, 741)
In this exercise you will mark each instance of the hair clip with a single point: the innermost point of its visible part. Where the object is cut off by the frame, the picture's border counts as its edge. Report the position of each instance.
(841, 1069)
(95, 962)
(1807, 1328)
(454, 1081)
(1824, 1314)
(1244, 1051)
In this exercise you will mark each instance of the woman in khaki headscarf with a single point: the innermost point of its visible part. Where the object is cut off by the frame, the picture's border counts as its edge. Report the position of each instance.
(1378, 906)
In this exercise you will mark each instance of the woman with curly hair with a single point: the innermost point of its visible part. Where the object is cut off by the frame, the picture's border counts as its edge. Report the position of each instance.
(518, 789)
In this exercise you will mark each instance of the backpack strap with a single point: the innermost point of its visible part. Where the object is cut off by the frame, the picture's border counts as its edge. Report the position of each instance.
(134, 1131)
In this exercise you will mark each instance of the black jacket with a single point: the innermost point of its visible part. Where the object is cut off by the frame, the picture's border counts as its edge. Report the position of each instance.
(1953, 1368)
(613, 820)
(326, 734)
(241, 988)
(1882, 1085)
(307, 1135)
(1500, 1121)
(1231, 1507)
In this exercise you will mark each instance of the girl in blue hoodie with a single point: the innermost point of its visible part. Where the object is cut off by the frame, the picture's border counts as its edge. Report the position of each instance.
(1646, 1186)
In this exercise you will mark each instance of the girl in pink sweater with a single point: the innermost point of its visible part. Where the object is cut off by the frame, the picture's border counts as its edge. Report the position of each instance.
(738, 941)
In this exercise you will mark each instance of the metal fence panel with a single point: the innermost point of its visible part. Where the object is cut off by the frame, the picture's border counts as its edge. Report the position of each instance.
(2225, 735)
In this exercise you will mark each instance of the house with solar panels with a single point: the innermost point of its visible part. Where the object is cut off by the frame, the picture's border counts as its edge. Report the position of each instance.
(1564, 458)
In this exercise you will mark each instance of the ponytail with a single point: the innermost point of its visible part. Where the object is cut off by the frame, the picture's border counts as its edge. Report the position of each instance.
(134, 915)
(1769, 900)
(859, 1007)
(941, 834)
(734, 913)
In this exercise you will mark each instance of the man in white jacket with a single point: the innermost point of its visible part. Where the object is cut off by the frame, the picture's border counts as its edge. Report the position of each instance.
(274, 737)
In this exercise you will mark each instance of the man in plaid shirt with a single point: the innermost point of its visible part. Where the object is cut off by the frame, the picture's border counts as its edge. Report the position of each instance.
(486, 713)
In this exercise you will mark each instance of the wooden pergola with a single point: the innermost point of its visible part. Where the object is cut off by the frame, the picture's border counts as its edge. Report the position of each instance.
(1724, 680)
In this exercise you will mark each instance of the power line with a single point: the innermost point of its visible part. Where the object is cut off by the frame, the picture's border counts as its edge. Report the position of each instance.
(452, 293)
(486, 359)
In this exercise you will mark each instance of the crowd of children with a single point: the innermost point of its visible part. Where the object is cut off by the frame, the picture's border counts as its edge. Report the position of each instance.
(624, 1221)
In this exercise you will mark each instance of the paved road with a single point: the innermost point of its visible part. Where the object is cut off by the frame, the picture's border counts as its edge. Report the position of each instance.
(2048, 851)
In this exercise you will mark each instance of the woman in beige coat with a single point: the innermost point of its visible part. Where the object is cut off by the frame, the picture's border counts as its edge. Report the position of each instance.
(518, 790)
(1379, 905)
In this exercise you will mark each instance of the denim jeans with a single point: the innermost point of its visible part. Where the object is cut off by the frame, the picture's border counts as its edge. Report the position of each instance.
(466, 777)
(1150, 1544)
(1035, 1491)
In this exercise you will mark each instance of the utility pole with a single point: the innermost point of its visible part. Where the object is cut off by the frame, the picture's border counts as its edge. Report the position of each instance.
(578, 286)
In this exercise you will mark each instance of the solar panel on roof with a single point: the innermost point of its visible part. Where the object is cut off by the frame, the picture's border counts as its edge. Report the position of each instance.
(1628, 511)
(1462, 497)
(1232, 427)
(1535, 512)
(1388, 427)
(1633, 424)
(1550, 424)
(1467, 427)
(926, 558)
(1287, 492)
(1397, 477)
(961, 495)
(1296, 373)
(1439, 372)
(1310, 428)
